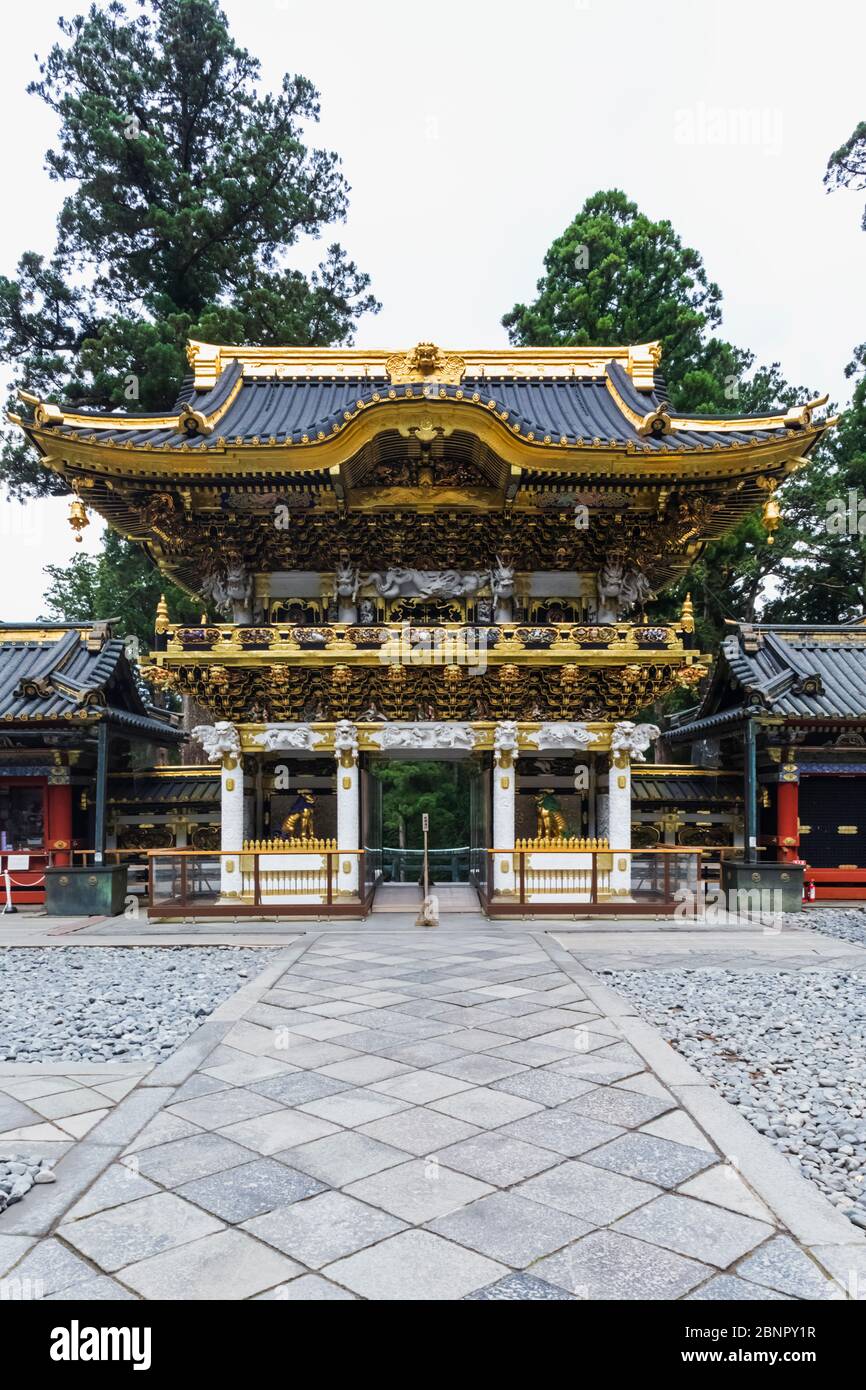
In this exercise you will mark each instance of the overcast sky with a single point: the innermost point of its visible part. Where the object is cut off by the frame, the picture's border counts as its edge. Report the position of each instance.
(471, 134)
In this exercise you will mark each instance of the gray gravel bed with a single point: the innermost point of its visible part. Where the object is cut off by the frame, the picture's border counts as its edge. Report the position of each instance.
(18, 1174)
(786, 1047)
(104, 1003)
(846, 924)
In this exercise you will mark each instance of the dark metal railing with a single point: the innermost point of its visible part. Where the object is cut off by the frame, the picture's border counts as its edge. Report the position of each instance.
(401, 865)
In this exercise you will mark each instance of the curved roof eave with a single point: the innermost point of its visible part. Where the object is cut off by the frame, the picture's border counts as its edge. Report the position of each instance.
(605, 446)
(591, 398)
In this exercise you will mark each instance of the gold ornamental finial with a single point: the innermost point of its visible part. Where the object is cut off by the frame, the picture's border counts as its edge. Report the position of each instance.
(687, 614)
(162, 618)
(45, 413)
(424, 362)
(801, 415)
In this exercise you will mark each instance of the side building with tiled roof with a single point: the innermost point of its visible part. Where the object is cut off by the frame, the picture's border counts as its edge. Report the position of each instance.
(70, 709)
(797, 696)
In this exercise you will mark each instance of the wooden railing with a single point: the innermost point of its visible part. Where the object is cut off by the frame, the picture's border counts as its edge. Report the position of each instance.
(659, 881)
(599, 881)
(189, 882)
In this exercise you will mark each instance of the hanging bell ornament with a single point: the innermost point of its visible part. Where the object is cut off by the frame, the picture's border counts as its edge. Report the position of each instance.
(78, 517)
(772, 515)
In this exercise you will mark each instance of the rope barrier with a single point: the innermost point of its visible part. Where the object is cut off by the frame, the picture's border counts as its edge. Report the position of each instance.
(10, 883)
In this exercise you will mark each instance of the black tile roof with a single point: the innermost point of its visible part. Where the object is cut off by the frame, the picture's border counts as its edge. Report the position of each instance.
(288, 410)
(795, 672)
(661, 786)
(73, 673)
(181, 790)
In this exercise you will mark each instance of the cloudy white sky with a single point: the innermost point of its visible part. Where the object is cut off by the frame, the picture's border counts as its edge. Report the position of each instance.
(472, 131)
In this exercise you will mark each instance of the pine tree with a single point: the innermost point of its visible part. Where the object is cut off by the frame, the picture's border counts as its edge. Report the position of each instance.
(615, 276)
(189, 187)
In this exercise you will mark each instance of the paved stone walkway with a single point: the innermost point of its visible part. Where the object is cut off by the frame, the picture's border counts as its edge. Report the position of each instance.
(754, 949)
(45, 1107)
(427, 1115)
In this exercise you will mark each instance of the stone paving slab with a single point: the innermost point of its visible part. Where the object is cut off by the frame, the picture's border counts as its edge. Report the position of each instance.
(228, 1264)
(520, 1288)
(43, 1106)
(607, 1265)
(757, 948)
(415, 1265)
(511, 1229)
(484, 1123)
(326, 1228)
(696, 1229)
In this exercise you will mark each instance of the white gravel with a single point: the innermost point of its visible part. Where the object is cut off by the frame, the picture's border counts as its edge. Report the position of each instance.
(846, 924)
(786, 1047)
(105, 1003)
(18, 1174)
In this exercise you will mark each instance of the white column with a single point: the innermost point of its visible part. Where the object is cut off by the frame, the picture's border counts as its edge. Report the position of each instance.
(221, 743)
(504, 778)
(619, 822)
(232, 821)
(627, 741)
(348, 805)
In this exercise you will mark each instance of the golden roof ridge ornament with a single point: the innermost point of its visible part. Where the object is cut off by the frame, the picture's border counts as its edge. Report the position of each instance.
(424, 363)
(44, 412)
(192, 422)
(800, 416)
(656, 422)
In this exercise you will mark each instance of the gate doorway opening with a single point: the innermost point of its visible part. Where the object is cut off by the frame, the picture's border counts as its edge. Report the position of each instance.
(443, 790)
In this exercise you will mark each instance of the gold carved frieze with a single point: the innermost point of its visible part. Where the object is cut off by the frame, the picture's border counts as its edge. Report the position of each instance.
(441, 536)
(286, 693)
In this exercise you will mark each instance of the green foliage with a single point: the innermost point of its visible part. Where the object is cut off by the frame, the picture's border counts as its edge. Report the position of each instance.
(846, 167)
(185, 176)
(824, 579)
(115, 584)
(822, 575)
(187, 187)
(409, 789)
(614, 276)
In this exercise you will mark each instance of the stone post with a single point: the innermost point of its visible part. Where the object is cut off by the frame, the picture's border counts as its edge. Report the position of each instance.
(504, 777)
(348, 805)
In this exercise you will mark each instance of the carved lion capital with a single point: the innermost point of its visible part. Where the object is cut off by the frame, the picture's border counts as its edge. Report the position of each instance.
(221, 742)
(632, 740)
